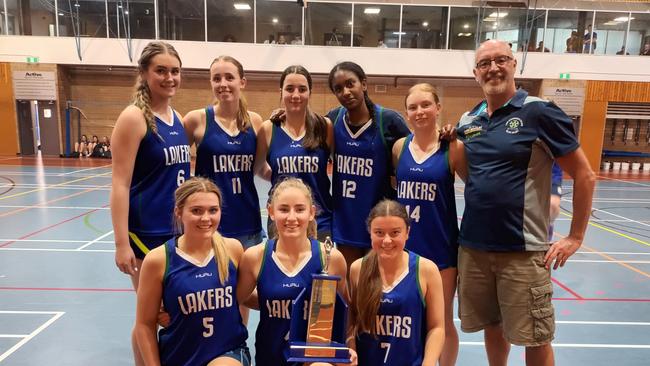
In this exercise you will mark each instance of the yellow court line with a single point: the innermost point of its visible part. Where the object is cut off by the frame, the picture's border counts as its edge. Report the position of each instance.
(614, 231)
(610, 258)
(56, 185)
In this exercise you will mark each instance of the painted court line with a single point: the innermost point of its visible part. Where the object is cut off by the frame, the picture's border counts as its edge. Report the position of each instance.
(611, 231)
(13, 335)
(84, 170)
(591, 322)
(616, 253)
(46, 228)
(621, 217)
(58, 207)
(623, 181)
(54, 241)
(606, 261)
(56, 185)
(578, 345)
(566, 288)
(56, 315)
(59, 250)
(95, 240)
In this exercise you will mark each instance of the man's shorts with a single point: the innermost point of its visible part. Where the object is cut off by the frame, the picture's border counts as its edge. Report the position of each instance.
(508, 288)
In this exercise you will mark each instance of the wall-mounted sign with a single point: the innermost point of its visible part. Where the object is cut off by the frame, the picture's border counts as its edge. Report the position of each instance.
(34, 85)
(569, 99)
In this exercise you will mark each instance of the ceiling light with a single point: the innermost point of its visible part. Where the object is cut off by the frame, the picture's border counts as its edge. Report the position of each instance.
(242, 6)
(61, 14)
(425, 24)
(622, 19)
(398, 33)
(126, 12)
(611, 22)
(465, 26)
(372, 10)
(497, 14)
(77, 5)
(274, 20)
(495, 26)
(350, 22)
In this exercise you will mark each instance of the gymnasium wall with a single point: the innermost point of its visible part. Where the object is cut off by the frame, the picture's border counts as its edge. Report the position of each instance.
(8, 127)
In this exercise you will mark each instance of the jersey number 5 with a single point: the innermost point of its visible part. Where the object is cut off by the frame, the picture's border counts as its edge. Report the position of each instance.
(209, 328)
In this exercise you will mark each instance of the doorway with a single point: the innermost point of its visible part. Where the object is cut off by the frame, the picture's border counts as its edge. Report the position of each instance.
(38, 127)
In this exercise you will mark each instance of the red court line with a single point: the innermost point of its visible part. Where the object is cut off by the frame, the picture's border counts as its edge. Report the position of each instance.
(47, 228)
(567, 289)
(67, 289)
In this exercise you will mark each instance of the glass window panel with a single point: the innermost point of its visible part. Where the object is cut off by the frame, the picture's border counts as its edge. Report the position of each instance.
(134, 18)
(610, 32)
(82, 18)
(639, 38)
(424, 27)
(229, 24)
(377, 26)
(513, 26)
(565, 30)
(30, 17)
(462, 28)
(281, 19)
(328, 24)
(181, 20)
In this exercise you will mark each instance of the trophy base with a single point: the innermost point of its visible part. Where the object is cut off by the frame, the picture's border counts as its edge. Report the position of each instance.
(331, 352)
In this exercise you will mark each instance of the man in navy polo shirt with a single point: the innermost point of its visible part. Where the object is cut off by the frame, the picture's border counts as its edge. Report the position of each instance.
(511, 140)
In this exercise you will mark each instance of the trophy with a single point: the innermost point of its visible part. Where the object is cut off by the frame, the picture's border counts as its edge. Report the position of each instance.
(323, 339)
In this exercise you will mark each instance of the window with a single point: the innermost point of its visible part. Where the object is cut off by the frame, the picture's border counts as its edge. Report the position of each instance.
(639, 34)
(230, 22)
(377, 26)
(82, 18)
(131, 19)
(565, 30)
(281, 19)
(462, 28)
(328, 24)
(181, 20)
(610, 32)
(424, 27)
(30, 18)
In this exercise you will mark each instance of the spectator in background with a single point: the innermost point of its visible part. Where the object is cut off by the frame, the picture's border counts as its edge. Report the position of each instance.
(646, 50)
(573, 43)
(381, 44)
(270, 40)
(102, 149)
(541, 48)
(282, 40)
(229, 38)
(589, 41)
(622, 51)
(297, 40)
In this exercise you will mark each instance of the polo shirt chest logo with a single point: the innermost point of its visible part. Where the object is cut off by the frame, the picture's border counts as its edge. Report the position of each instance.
(513, 125)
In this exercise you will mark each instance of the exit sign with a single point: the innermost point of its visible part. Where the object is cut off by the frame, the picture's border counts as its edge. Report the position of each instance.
(565, 76)
(32, 60)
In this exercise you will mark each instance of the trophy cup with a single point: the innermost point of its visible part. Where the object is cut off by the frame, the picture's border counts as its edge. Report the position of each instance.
(323, 339)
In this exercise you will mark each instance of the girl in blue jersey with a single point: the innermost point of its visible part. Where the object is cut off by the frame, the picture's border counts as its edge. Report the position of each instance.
(151, 158)
(364, 134)
(397, 310)
(425, 170)
(282, 267)
(195, 277)
(299, 145)
(225, 136)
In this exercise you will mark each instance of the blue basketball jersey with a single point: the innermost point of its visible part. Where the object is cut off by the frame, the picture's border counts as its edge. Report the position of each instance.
(288, 158)
(228, 161)
(205, 320)
(360, 178)
(426, 188)
(276, 289)
(401, 324)
(161, 165)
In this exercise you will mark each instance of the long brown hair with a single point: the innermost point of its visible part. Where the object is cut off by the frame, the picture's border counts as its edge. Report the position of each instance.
(243, 118)
(367, 297)
(142, 96)
(203, 185)
(315, 125)
(292, 182)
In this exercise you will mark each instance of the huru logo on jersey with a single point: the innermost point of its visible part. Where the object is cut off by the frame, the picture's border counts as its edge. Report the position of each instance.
(234, 142)
(416, 169)
(295, 144)
(290, 284)
(352, 143)
(513, 125)
(386, 301)
(173, 133)
(204, 274)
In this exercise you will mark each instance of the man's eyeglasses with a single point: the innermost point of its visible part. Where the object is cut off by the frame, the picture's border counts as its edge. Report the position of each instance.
(499, 61)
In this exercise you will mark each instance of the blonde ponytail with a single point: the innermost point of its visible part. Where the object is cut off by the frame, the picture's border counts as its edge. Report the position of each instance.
(221, 257)
(142, 100)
